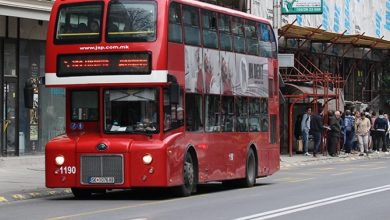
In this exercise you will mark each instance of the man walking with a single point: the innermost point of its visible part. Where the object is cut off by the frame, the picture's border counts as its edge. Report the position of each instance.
(334, 132)
(316, 129)
(349, 131)
(380, 126)
(305, 126)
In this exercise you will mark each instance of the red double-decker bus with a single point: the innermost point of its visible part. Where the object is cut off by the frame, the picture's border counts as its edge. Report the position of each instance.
(161, 94)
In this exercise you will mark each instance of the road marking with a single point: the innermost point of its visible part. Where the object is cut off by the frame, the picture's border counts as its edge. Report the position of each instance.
(342, 173)
(325, 168)
(377, 168)
(314, 204)
(2, 199)
(299, 180)
(18, 197)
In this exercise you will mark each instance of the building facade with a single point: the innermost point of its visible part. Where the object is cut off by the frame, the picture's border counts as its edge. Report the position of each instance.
(23, 26)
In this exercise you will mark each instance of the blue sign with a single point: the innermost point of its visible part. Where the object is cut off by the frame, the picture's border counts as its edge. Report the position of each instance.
(378, 20)
(336, 25)
(347, 21)
(80, 126)
(387, 21)
(325, 16)
(73, 126)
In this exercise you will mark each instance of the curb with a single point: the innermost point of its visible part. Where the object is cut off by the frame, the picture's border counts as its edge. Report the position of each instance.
(12, 197)
(329, 160)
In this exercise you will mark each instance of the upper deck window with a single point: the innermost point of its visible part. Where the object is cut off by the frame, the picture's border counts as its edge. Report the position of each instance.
(78, 23)
(131, 21)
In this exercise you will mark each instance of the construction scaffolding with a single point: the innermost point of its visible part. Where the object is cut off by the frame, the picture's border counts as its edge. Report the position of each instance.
(308, 82)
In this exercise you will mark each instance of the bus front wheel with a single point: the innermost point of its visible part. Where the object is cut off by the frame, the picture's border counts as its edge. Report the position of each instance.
(189, 182)
(81, 193)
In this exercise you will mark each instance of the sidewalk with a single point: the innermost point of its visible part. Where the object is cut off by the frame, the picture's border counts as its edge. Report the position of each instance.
(24, 177)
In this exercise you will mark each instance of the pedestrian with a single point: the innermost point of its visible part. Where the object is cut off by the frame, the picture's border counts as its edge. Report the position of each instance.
(363, 126)
(381, 125)
(373, 137)
(349, 131)
(334, 132)
(305, 127)
(355, 145)
(388, 131)
(316, 130)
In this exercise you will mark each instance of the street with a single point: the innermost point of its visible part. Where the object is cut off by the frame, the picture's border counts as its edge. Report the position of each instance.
(344, 190)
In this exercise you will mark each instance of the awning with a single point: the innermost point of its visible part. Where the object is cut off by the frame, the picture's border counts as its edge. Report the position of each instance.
(319, 35)
(292, 89)
(31, 9)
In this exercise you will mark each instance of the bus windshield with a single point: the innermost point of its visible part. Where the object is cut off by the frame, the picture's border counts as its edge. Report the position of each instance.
(79, 23)
(131, 110)
(129, 21)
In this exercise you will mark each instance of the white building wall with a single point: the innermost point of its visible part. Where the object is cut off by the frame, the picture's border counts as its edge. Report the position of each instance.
(353, 16)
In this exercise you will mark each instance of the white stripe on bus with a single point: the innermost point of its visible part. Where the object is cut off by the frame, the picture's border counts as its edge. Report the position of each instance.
(156, 76)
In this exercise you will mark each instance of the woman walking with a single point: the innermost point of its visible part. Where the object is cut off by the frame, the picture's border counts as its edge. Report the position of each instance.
(363, 126)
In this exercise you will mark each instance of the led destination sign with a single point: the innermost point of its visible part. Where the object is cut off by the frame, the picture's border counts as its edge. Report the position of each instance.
(103, 64)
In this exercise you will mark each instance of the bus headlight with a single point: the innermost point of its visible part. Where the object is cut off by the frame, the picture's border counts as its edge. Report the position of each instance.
(147, 159)
(60, 160)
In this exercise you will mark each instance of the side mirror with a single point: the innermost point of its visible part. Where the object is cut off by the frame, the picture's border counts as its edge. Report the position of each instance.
(28, 95)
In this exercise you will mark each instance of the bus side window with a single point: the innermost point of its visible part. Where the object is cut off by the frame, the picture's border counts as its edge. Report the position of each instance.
(239, 35)
(251, 38)
(242, 113)
(225, 32)
(227, 114)
(191, 25)
(264, 114)
(175, 30)
(173, 113)
(194, 110)
(212, 105)
(209, 25)
(254, 114)
(265, 40)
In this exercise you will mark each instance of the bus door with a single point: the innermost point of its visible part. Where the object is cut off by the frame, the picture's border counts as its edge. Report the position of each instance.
(8, 131)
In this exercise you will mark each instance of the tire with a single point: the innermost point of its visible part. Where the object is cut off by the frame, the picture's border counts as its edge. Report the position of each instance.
(80, 193)
(189, 177)
(250, 170)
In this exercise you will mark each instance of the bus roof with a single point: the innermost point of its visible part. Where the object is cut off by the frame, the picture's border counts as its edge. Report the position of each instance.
(192, 3)
(222, 10)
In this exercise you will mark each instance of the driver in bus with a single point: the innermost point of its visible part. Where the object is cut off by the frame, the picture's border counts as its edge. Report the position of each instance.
(149, 118)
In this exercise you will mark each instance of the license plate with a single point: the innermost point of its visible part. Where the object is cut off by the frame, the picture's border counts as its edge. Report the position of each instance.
(101, 180)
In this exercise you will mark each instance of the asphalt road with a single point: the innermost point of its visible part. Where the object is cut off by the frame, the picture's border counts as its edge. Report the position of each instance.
(349, 190)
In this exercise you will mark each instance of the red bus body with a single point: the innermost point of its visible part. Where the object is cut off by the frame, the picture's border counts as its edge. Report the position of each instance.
(217, 155)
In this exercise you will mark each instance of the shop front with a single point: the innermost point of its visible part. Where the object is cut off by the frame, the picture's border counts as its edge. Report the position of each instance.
(24, 131)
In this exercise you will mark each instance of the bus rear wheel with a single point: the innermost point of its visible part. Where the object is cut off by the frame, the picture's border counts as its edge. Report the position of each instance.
(189, 182)
(250, 173)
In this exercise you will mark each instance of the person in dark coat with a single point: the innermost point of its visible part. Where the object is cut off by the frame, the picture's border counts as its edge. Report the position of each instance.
(381, 125)
(316, 129)
(334, 132)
